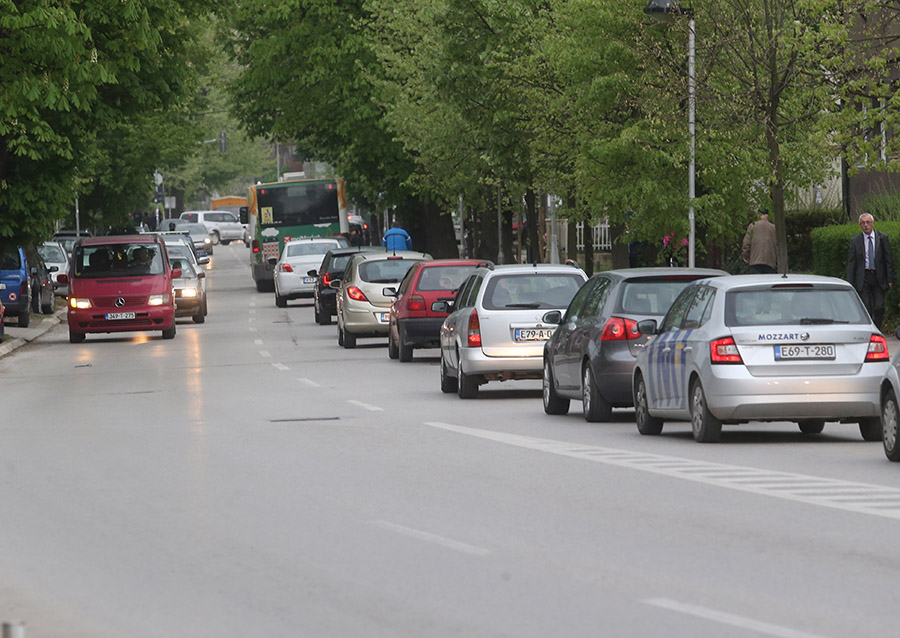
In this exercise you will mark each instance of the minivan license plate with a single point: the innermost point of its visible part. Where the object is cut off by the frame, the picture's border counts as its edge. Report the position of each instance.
(533, 334)
(112, 316)
(805, 351)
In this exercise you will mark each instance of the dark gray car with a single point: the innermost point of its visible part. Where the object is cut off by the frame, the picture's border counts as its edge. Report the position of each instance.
(591, 354)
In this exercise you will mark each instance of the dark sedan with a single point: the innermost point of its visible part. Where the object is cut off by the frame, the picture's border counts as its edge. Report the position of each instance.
(332, 269)
(591, 354)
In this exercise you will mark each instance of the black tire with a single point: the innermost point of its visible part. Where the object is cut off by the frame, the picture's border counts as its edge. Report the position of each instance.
(706, 427)
(322, 318)
(553, 403)
(36, 301)
(596, 408)
(215, 239)
(349, 340)
(169, 333)
(340, 335)
(76, 337)
(50, 307)
(405, 351)
(224, 242)
(646, 424)
(199, 317)
(889, 418)
(205, 306)
(261, 286)
(280, 301)
(467, 386)
(393, 350)
(448, 384)
(811, 426)
(25, 318)
(871, 429)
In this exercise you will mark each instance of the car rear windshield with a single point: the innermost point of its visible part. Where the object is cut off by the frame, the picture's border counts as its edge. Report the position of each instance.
(52, 254)
(10, 259)
(443, 277)
(118, 260)
(385, 271)
(311, 248)
(530, 290)
(794, 306)
(651, 296)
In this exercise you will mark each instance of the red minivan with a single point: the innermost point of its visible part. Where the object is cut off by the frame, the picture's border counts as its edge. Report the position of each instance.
(120, 284)
(413, 324)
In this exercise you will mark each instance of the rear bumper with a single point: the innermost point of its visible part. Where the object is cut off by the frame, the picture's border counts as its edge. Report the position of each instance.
(421, 332)
(473, 361)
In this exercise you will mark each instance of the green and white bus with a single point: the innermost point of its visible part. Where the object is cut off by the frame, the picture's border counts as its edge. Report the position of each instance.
(281, 211)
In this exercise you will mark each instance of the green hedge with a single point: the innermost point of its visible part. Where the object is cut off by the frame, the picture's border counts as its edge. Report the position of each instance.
(799, 225)
(830, 246)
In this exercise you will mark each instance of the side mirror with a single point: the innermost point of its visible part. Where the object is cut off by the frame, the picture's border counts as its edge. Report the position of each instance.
(273, 260)
(335, 284)
(389, 291)
(53, 269)
(63, 279)
(201, 275)
(312, 273)
(441, 306)
(203, 260)
(176, 273)
(647, 326)
(34, 270)
(244, 214)
(554, 317)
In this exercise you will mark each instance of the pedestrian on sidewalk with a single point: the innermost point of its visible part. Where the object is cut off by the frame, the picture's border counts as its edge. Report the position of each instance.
(396, 238)
(758, 248)
(870, 267)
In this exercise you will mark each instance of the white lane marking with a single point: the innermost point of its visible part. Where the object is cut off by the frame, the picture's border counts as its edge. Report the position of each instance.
(252, 311)
(258, 342)
(281, 366)
(308, 382)
(265, 353)
(252, 303)
(729, 619)
(252, 329)
(862, 498)
(434, 538)
(367, 406)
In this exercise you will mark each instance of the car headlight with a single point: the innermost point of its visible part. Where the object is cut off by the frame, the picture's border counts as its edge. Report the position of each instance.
(80, 304)
(207, 240)
(158, 300)
(188, 292)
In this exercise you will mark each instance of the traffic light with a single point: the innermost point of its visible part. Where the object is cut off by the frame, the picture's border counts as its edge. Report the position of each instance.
(159, 194)
(223, 143)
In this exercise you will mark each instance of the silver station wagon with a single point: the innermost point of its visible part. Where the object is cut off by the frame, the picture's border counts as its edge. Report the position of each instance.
(746, 348)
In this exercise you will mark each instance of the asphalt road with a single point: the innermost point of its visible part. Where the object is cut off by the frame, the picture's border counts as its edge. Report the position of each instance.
(250, 478)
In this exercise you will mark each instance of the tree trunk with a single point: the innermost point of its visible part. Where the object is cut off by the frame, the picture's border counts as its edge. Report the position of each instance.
(531, 225)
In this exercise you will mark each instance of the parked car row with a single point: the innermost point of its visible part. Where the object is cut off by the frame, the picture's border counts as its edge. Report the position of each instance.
(26, 284)
(676, 344)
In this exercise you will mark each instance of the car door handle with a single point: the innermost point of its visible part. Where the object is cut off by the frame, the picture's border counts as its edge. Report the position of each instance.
(687, 349)
(667, 349)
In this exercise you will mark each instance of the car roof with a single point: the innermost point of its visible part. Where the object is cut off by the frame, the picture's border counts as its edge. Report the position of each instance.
(357, 249)
(732, 282)
(314, 240)
(394, 254)
(512, 269)
(119, 239)
(451, 262)
(660, 271)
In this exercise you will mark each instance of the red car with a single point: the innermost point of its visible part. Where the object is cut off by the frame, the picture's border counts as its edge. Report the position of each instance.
(413, 324)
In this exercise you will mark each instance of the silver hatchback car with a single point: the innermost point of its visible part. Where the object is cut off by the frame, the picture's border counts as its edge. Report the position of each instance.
(497, 328)
(762, 348)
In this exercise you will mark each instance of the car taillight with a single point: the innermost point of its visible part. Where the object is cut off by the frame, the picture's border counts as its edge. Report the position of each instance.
(285, 267)
(355, 293)
(327, 279)
(23, 289)
(619, 329)
(474, 334)
(878, 350)
(415, 302)
(724, 350)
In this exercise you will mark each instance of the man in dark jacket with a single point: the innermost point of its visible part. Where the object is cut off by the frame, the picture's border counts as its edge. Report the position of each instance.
(396, 238)
(870, 267)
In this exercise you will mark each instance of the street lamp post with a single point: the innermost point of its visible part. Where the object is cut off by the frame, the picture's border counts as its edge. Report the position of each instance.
(667, 11)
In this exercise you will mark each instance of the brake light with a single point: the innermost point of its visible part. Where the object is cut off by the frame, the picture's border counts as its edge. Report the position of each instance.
(619, 329)
(724, 350)
(878, 350)
(474, 334)
(355, 293)
(415, 302)
(254, 245)
(326, 279)
(23, 289)
(285, 267)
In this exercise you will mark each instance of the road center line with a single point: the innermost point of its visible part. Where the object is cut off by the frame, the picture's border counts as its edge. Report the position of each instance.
(729, 619)
(862, 498)
(308, 382)
(265, 353)
(434, 538)
(258, 342)
(367, 406)
(281, 366)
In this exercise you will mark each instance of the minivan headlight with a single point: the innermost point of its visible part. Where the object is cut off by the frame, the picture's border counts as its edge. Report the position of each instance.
(80, 304)
(158, 300)
(188, 292)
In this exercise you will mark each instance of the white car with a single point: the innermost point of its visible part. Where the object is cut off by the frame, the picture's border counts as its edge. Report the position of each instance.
(223, 226)
(54, 254)
(496, 329)
(299, 256)
(744, 348)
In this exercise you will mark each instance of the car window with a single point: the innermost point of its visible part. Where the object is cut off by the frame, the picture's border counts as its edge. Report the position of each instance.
(699, 311)
(573, 312)
(228, 217)
(447, 278)
(339, 263)
(794, 305)
(308, 248)
(473, 289)
(596, 299)
(191, 217)
(530, 290)
(384, 271)
(407, 279)
(676, 313)
(651, 296)
(53, 254)
(118, 260)
(11, 259)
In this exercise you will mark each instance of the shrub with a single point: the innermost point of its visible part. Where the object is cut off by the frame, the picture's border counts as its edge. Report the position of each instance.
(799, 225)
(884, 207)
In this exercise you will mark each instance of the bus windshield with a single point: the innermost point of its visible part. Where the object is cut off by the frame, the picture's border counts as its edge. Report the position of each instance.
(298, 204)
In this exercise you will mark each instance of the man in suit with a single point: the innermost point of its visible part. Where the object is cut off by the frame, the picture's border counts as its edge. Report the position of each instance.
(870, 267)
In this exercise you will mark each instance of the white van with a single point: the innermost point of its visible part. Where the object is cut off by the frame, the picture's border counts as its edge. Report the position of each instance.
(223, 226)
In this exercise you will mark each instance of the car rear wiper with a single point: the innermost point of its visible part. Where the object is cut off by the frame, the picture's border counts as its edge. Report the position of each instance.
(806, 321)
(532, 304)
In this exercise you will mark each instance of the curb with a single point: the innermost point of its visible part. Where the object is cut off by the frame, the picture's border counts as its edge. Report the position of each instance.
(32, 333)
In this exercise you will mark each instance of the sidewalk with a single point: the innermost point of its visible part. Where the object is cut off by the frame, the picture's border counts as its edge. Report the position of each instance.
(21, 336)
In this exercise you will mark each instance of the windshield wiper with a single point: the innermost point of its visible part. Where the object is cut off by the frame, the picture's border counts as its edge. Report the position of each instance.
(806, 321)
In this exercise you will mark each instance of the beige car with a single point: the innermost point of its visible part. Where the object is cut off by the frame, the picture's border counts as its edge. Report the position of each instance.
(363, 310)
